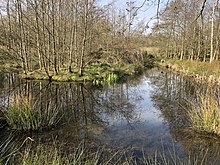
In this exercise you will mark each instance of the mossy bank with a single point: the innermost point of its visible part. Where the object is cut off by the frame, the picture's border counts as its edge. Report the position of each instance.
(97, 74)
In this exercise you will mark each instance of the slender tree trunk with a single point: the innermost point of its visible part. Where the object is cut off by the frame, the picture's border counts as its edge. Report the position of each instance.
(73, 38)
(84, 40)
(21, 35)
(215, 2)
(54, 38)
(38, 35)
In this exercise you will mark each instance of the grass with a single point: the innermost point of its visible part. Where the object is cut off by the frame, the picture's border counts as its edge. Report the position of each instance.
(43, 154)
(205, 115)
(97, 73)
(29, 152)
(25, 115)
(195, 67)
(52, 155)
(202, 72)
(78, 156)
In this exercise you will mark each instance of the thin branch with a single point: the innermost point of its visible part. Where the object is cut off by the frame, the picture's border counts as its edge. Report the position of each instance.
(201, 11)
(158, 8)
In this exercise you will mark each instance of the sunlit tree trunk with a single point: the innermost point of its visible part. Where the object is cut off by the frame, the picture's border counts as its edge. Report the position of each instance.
(22, 51)
(214, 4)
(73, 38)
(85, 31)
(38, 35)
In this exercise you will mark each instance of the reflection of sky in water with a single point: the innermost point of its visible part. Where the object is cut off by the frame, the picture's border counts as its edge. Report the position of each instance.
(139, 114)
(148, 131)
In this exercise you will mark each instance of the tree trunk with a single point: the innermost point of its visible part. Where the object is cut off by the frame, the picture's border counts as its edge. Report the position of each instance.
(214, 4)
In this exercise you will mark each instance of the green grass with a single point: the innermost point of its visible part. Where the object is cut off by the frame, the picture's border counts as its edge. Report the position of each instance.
(205, 115)
(97, 74)
(25, 115)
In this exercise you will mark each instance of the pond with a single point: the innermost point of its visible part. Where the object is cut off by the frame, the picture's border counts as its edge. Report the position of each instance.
(145, 115)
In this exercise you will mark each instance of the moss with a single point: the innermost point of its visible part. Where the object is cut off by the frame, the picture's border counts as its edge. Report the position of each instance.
(74, 77)
(35, 75)
(97, 74)
(61, 78)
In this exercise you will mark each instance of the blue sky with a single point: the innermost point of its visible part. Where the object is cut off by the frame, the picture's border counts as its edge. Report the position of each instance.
(148, 11)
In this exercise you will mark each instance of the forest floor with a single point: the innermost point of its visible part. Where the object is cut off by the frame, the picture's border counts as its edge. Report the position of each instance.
(202, 72)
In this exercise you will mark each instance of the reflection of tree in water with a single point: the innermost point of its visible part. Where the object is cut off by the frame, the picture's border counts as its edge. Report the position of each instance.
(171, 96)
(85, 110)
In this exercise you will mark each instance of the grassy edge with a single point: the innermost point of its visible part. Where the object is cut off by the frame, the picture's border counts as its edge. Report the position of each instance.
(205, 115)
(201, 72)
(98, 74)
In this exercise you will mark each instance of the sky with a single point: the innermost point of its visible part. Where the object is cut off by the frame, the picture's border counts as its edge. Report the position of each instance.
(146, 13)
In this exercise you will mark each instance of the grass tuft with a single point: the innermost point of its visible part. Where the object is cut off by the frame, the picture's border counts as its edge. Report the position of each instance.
(205, 115)
(25, 115)
(79, 156)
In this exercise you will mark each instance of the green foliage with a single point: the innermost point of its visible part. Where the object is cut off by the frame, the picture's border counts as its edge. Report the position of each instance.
(35, 75)
(205, 115)
(61, 78)
(25, 115)
(97, 69)
(98, 74)
(113, 77)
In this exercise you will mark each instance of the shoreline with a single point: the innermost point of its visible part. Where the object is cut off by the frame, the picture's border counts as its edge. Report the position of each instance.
(192, 70)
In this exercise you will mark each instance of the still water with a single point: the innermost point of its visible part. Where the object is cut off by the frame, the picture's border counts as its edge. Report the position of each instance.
(146, 114)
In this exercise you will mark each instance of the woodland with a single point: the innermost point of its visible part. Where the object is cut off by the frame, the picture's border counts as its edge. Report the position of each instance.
(53, 37)
(162, 116)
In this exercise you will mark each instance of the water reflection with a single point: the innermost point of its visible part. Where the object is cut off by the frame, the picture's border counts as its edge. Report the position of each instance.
(147, 113)
(171, 97)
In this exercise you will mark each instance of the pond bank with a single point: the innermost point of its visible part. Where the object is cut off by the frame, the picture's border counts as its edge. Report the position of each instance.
(204, 112)
(97, 74)
(200, 72)
(141, 115)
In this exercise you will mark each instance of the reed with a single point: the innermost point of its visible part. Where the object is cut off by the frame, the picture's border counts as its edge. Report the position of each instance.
(205, 115)
(172, 158)
(24, 114)
(80, 156)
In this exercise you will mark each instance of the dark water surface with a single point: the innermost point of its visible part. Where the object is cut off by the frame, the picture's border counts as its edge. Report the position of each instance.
(147, 114)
